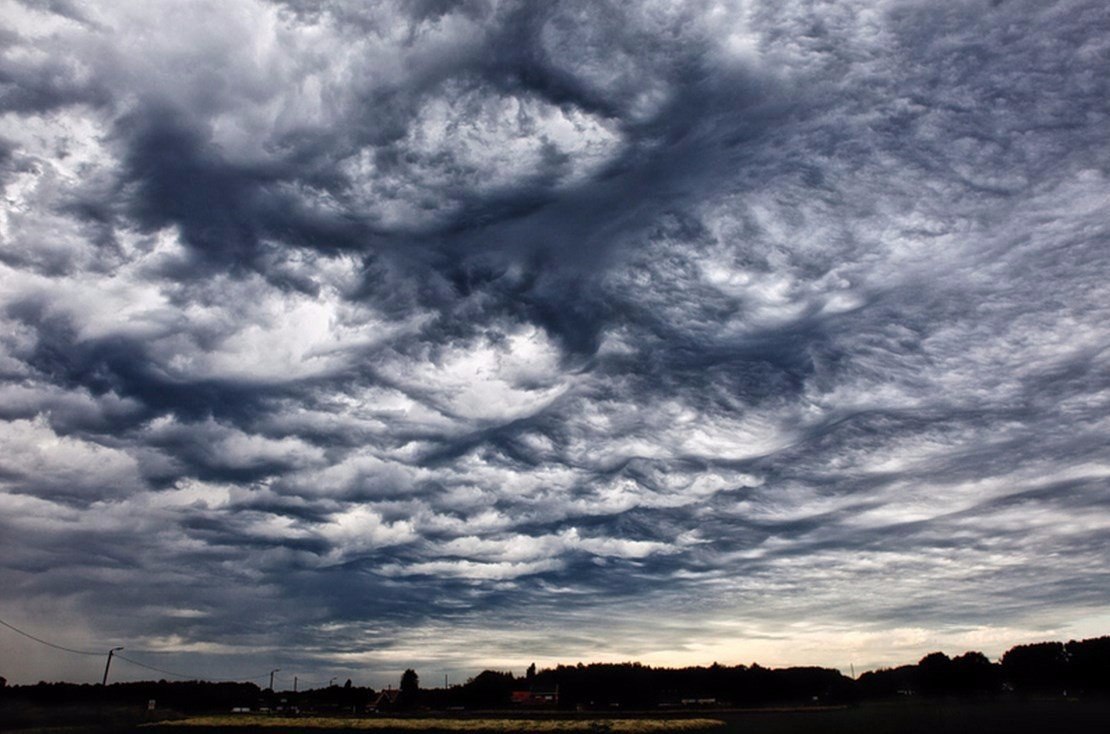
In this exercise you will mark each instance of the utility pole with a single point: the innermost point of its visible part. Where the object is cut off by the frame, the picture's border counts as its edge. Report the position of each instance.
(108, 665)
(294, 684)
(275, 670)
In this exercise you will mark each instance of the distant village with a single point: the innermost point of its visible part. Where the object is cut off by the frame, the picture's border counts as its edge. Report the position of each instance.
(1074, 669)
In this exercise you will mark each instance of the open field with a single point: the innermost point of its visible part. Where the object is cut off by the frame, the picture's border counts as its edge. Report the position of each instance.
(902, 717)
(928, 717)
(1011, 716)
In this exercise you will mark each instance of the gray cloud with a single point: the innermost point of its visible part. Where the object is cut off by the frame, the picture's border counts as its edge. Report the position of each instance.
(450, 334)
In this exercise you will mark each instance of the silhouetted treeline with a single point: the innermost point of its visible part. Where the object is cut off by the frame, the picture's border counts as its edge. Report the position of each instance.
(632, 685)
(348, 697)
(489, 689)
(185, 696)
(935, 674)
(638, 686)
(191, 696)
(1077, 668)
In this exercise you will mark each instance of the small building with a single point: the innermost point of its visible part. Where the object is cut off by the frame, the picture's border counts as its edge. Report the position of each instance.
(536, 697)
(386, 700)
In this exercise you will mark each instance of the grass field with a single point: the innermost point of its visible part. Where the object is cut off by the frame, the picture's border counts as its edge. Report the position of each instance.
(910, 716)
(923, 716)
(903, 717)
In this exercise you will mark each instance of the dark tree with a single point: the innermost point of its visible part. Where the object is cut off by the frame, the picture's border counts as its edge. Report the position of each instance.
(530, 674)
(973, 672)
(1089, 662)
(934, 674)
(410, 688)
(488, 689)
(1039, 667)
(886, 682)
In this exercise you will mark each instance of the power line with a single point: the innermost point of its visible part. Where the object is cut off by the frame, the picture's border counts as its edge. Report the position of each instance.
(160, 670)
(28, 635)
(184, 675)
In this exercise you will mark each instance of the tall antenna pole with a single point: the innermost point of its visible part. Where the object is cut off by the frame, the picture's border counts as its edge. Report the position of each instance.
(108, 665)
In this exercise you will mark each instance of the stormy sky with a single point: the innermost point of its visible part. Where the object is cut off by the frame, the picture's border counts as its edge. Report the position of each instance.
(344, 337)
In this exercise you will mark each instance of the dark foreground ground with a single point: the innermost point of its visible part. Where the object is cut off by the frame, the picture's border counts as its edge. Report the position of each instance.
(940, 717)
(900, 717)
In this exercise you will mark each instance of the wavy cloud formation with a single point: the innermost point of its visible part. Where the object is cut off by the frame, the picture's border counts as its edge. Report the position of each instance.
(452, 334)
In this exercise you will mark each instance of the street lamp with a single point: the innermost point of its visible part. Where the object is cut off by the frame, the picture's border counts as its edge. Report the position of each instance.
(275, 670)
(109, 664)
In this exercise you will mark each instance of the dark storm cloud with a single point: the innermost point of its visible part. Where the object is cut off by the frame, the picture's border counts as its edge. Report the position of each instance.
(225, 212)
(43, 87)
(446, 330)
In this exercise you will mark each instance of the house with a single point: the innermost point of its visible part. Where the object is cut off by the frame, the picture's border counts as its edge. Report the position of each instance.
(536, 696)
(386, 700)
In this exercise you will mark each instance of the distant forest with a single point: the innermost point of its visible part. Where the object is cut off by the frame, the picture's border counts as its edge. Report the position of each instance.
(1072, 669)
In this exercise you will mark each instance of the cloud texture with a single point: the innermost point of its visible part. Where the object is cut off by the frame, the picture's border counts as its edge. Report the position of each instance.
(351, 337)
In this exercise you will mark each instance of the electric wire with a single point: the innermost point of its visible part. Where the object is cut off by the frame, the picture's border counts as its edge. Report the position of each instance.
(63, 648)
(156, 669)
(186, 675)
(28, 635)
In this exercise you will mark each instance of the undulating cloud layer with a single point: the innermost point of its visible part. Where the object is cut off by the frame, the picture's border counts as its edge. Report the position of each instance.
(345, 337)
